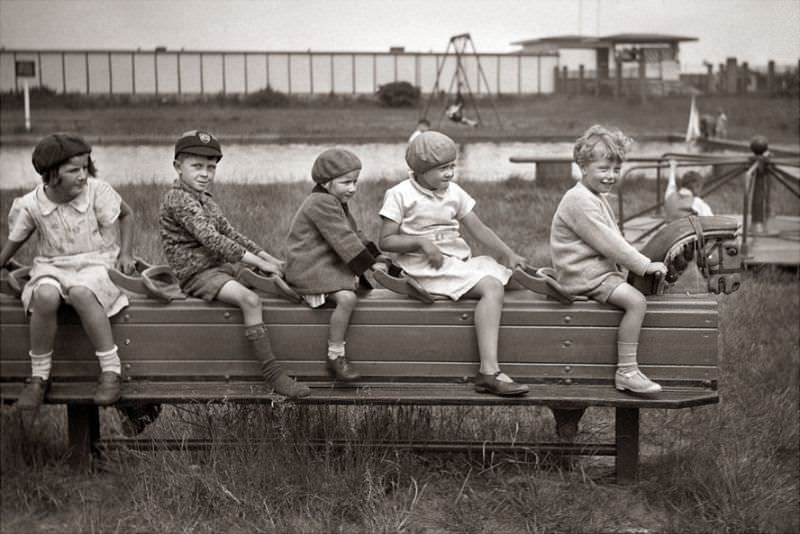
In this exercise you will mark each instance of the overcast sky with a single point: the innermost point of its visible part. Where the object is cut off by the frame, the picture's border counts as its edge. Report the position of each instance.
(751, 30)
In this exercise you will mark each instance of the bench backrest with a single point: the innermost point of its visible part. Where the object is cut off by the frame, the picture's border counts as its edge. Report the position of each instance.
(390, 338)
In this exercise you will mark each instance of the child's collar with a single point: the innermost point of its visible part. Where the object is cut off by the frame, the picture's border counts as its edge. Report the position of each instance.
(424, 190)
(79, 203)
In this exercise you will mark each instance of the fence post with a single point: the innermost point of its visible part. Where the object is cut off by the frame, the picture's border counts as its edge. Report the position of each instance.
(745, 77)
(564, 80)
(709, 78)
(110, 79)
(642, 78)
(556, 80)
(244, 58)
(86, 64)
(202, 83)
(155, 69)
(731, 75)
(178, 72)
(133, 73)
(353, 65)
(580, 79)
(771, 77)
(617, 78)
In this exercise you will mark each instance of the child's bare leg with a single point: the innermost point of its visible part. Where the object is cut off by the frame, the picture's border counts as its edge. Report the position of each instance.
(340, 319)
(248, 301)
(628, 376)
(490, 293)
(44, 323)
(93, 318)
(44, 318)
(337, 363)
(98, 328)
(258, 338)
(629, 298)
(487, 330)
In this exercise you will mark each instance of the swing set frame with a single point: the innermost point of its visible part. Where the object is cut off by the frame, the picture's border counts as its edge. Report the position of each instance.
(457, 47)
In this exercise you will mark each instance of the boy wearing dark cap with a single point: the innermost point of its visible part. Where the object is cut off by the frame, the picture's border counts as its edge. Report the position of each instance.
(208, 255)
(327, 255)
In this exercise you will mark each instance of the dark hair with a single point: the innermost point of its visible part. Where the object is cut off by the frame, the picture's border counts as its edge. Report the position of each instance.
(692, 180)
(50, 177)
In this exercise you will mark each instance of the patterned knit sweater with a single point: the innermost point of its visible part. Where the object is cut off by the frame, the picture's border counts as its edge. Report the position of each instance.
(586, 243)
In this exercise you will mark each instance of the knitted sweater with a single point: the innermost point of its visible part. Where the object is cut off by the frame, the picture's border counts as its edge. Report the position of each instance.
(196, 236)
(325, 251)
(586, 244)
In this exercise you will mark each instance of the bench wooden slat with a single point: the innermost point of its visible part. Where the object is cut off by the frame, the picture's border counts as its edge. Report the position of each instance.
(381, 307)
(391, 342)
(575, 396)
(209, 369)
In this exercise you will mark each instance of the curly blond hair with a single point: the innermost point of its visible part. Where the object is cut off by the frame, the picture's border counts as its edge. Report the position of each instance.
(613, 144)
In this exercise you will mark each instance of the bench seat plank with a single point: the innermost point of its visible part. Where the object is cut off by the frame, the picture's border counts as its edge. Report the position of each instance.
(379, 393)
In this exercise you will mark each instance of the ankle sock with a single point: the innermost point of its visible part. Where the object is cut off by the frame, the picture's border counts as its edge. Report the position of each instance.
(41, 364)
(335, 350)
(626, 356)
(109, 360)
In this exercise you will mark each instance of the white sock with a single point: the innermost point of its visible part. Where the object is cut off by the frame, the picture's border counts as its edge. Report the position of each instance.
(626, 356)
(109, 361)
(41, 364)
(335, 350)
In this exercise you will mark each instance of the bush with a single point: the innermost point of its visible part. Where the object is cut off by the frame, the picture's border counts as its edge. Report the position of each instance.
(398, 94)
(268, 98)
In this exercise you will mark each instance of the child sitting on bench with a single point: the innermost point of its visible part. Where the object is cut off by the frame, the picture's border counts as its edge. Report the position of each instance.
(421, 221)
(208, 255)
(327, 255)
(590, 254)
(73, 214)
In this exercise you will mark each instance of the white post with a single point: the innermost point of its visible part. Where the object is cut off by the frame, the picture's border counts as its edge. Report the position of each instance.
(27, 105)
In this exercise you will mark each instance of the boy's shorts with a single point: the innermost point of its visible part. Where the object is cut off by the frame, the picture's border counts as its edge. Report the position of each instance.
(206, 284)
(606, 287)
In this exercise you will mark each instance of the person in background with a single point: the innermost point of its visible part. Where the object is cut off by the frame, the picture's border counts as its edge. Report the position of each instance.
(683, 198)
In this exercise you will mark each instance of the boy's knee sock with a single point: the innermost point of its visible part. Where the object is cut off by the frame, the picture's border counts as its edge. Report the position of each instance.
(258, 339)
(626, 355)
(109, 361)
(41, 364)
(335, 350)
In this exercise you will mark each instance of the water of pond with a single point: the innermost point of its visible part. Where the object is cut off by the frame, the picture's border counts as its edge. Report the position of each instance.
(267, 163)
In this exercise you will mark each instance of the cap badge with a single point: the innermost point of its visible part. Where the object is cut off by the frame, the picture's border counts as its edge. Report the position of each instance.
(204, 137)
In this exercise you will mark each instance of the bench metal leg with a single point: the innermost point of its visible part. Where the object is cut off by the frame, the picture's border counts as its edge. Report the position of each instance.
(83, 429)
(627, 440)
(567, 420)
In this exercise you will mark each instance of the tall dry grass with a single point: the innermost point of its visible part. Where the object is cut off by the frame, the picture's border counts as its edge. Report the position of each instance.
(731, 467)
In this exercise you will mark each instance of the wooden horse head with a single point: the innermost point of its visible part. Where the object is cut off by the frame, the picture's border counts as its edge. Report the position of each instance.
(710, 242)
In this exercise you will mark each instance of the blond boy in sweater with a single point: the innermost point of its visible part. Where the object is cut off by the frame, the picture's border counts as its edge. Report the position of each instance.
(590, 255)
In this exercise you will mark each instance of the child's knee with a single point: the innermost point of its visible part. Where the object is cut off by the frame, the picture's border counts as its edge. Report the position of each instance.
(250, 300)
(80, 296)
(492, 288)
(46, 299)
(347, 300)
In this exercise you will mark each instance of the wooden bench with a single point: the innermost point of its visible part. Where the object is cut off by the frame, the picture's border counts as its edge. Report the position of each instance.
(409, 353)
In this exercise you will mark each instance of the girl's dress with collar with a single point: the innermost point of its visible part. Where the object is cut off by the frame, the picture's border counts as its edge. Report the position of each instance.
(435, 215)
(77, 241)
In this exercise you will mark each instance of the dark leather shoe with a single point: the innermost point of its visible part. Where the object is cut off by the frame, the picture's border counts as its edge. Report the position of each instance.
(340, 369)
(490, 384)
(287, 386)
(32, 395)
(108, 388)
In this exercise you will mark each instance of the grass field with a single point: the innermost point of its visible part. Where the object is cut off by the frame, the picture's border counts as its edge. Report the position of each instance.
(731, 467)
(775, 117)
